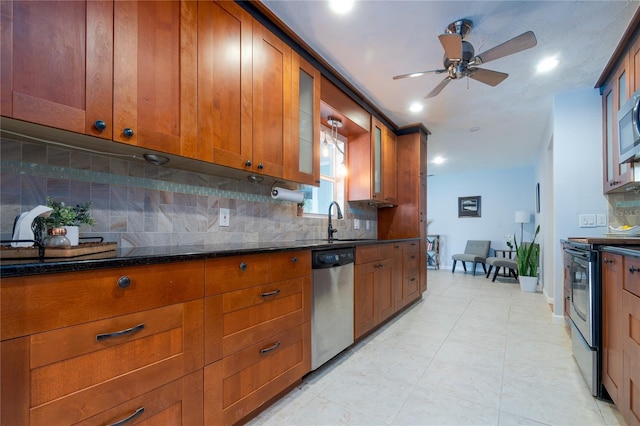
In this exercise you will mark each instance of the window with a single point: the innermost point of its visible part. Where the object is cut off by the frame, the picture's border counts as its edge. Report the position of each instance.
(332, 176)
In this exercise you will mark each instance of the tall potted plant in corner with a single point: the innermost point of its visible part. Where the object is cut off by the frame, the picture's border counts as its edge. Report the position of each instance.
(69, 217)
(527, 259)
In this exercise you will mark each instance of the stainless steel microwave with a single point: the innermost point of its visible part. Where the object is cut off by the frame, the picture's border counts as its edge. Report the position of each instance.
(629, 129)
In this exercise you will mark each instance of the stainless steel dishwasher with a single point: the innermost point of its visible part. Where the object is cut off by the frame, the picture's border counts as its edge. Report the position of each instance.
(332, 312)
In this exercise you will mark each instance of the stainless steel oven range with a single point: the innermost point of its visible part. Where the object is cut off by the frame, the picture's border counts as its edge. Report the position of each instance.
(582, 262)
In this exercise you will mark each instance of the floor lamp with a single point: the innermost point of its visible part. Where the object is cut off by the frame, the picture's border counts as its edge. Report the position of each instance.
(522, 217)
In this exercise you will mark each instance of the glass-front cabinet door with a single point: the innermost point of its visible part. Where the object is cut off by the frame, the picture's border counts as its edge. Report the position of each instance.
(302, 160)
(377, 132)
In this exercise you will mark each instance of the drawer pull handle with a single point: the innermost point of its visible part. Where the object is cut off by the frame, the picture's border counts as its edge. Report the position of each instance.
(243, 266)
(270, 348)
(135, 414)
(605, 260)
(103, 336)
(124, 282)
(294, 259)
(270, 293)
(413, 257)
(633, 269)
(412, 279)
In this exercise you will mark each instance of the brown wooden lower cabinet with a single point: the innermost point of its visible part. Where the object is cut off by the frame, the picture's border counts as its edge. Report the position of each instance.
(374, 286)
(239, 384)
(629, 404)
(621, 333)
(612, 273)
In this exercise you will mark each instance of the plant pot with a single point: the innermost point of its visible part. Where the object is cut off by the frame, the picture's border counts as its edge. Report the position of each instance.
(73, 234)
(300, 211)
(528, 284)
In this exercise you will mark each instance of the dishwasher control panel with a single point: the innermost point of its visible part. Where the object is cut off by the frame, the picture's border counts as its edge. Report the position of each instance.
(333, 257)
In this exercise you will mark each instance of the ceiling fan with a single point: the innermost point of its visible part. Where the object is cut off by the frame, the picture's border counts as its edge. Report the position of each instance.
(459, 59)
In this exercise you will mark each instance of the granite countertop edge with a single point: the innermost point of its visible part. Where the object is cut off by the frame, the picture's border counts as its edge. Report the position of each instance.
(138, 256)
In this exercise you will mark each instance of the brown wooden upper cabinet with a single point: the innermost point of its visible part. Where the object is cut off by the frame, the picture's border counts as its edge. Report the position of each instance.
(43, 80)
(225, 89)
(155, 71)
(302, 162)
(372, 160)
(116, 70)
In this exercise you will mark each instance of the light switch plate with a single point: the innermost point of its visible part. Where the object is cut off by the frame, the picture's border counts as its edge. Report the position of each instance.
(587, 220)
(356, 223)
(224, 217)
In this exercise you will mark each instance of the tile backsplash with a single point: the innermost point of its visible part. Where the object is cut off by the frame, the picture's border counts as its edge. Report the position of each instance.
(624, 208)
(137, 204)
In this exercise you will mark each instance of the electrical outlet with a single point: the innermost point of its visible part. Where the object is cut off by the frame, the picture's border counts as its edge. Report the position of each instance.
(601, 219)
(224, 217)
(368, 224)
(356, 223)
(587, 220)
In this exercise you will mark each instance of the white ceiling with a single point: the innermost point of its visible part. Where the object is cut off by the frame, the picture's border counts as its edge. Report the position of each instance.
(380, 39)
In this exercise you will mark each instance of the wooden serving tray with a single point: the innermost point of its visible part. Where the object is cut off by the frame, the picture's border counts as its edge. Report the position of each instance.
(83, 249)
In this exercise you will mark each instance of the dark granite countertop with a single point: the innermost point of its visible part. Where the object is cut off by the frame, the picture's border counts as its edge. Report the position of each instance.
(134, 256)
(623, 250)
(607, 240)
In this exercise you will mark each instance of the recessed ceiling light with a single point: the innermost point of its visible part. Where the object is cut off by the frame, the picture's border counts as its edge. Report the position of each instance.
(416, 107)
(474, 129)
(438, 160)
(547, 64)
(341, 6)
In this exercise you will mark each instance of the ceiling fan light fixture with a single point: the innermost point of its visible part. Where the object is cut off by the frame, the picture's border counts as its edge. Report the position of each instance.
(416, 107)
(547, 64)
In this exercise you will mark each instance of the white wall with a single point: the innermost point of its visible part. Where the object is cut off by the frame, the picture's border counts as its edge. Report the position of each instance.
(577, 173)
(502, 191)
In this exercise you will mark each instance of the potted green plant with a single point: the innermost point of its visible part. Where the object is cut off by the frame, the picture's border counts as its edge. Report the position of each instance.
(527, 260)
(68, 217)
(300, 211)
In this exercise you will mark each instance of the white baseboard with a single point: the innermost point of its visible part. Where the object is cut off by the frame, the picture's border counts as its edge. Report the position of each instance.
(558, 319)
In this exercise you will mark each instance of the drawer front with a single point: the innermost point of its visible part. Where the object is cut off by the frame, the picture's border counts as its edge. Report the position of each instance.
(285, 266)
(243, 327)
(411, 288)
(366, 254)
(632, 275)
(47, 302)
(411, 262)
(233, 273)
(238, 385)
(177, 403)
(73, 375)
(631, 325)
(385, 251)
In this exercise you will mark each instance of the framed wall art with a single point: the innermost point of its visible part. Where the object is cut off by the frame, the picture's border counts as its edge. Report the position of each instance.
(469, 206)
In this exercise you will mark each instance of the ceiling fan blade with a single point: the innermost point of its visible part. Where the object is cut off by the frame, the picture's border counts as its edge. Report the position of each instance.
(417, 74)
(492, 78)
(436, 90)
(509, 47)
(452, 45)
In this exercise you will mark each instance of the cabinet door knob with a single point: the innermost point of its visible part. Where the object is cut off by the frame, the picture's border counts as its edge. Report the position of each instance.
(260, 166)
(248, 163)
(243, 266)
(124, 282)
(294, 259)
(100, 125)
(128, 132)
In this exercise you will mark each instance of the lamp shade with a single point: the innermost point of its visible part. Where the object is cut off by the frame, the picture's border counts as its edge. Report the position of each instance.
(523, 216)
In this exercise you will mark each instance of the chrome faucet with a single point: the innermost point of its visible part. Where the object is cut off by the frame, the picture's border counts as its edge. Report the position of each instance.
(331, 230)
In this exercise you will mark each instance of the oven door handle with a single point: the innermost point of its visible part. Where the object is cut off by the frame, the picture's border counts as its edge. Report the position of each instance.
(577, 253)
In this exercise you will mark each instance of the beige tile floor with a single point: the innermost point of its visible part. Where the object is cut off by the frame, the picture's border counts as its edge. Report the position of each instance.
(472, 352)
